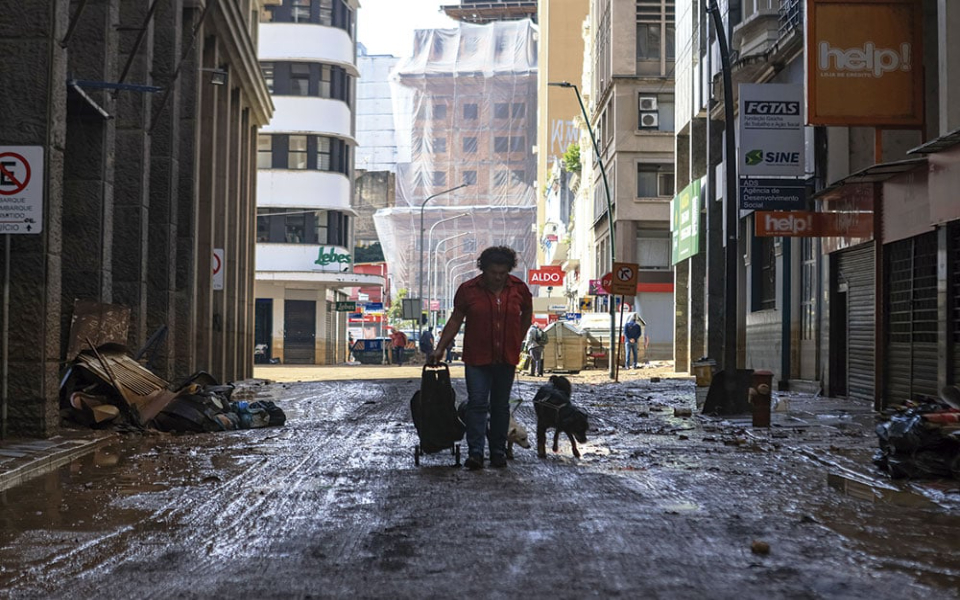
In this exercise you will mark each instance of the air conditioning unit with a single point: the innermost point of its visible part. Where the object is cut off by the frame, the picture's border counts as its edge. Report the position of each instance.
(648, 103)
(649, 120)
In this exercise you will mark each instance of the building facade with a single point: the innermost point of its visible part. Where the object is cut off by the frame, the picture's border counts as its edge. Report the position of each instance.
(863, 303)
(305, 180)
(465, 103)
(629, 97)
(140, 122)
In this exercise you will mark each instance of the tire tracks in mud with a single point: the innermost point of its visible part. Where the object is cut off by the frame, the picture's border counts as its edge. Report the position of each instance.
(224, 512)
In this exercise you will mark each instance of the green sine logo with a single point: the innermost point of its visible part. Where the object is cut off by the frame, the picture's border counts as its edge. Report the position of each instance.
(754, 157)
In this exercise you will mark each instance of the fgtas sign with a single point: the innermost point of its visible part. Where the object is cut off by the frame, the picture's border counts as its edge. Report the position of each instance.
(330, 255)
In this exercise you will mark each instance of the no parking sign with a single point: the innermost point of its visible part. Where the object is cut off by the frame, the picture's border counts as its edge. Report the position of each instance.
(21, 189)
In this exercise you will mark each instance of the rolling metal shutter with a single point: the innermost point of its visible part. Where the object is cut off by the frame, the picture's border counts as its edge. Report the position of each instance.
(857, 269)
(911, 322)
(954, 300)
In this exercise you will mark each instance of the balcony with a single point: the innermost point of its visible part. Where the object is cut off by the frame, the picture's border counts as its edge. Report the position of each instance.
(307, 42)
(304, 114)
(303, 189)
(791, 16)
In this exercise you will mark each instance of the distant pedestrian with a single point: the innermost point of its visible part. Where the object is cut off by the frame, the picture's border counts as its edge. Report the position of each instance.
(426, 343)
(632, 332)
(536, 340)
(498, 308)
(399, 340)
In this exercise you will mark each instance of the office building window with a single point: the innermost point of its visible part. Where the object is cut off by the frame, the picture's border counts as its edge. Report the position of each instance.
(653, 249)
(500, 177)
(470, 177)
(439, 111)
(501, 110)
(300, 11)
(439, 178)
(517, 143)
(299, 79)
(324, 153)
(264, 151)
(654, 181)
(440, 145)
(469, 145)
(518, 110)
(501, 144)
(656, 36)
(470, 112)
(267, 70)
(655, 112)
(518, 175)
(764, 271)
(297, 152)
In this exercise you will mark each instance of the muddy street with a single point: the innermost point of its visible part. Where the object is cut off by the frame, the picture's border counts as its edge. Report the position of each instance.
(332, 505)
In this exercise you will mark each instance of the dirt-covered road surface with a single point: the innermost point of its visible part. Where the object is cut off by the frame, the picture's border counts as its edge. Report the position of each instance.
(332, 506)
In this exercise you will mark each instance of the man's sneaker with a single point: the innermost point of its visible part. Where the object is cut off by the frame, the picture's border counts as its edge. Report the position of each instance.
(473, 463)
(498, 461)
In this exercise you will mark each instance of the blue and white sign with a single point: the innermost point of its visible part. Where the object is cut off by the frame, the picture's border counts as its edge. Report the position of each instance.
(373, 307)
(771, 129)
(764, 193)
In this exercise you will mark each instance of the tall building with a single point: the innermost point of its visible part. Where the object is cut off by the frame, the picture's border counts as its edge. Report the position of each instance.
(629, 97)
(376, 132)
(465, 102)
(481, 12)
(128, 149)
(305, 161)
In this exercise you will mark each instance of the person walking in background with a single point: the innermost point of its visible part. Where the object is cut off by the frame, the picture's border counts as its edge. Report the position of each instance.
(632, 332)
(426, 343)
(498, 308)
(399, 341)
(536, 340)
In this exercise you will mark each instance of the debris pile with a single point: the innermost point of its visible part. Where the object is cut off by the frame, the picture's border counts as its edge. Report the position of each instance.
(105, 387)
(920, 439)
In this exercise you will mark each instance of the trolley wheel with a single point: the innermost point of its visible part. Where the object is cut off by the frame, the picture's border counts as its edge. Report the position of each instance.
(416, 455)
(456, 452)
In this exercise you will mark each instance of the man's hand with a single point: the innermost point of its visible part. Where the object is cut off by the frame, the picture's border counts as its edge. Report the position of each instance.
(434, 357)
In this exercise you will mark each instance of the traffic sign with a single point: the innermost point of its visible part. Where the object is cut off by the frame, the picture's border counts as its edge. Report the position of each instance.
(624, 280)
(606, 282)
(21, 189)
(218, 268)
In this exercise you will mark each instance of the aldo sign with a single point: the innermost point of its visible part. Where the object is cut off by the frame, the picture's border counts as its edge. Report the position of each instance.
(545, 276)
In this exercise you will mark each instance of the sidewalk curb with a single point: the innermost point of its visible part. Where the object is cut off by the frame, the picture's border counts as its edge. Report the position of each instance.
(35, 466)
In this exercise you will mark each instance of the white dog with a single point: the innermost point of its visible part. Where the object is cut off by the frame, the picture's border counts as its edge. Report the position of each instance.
(516, 434)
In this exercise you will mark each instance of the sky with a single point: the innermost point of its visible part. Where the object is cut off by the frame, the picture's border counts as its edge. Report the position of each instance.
(386, 26)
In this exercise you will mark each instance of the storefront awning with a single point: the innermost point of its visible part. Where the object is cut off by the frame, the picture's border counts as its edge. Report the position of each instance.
(841, 190)
(944, 142)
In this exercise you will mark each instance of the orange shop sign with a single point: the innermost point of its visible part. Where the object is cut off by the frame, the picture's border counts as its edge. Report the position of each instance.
(812, 224)
(865, 62)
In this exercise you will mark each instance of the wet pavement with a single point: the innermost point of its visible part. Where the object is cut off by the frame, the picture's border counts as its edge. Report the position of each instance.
(332, 505)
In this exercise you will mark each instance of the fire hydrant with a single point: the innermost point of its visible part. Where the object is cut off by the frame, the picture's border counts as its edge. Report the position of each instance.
(760, 384)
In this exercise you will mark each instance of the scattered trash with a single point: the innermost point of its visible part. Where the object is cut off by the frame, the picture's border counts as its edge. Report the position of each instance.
(760, 547)
(920, 440)
(682, 412)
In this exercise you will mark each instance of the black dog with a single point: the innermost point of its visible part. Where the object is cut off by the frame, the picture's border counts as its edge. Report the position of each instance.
(555, 410)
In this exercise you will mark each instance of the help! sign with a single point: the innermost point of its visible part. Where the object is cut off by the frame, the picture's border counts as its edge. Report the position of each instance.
(545, 276)
(813, 224)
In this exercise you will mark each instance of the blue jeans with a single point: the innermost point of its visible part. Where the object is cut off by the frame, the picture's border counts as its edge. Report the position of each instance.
(398, 356)
(631, 349)
(488, 391)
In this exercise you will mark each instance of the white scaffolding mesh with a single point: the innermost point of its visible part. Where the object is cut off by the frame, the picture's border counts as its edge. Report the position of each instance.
(465, 112)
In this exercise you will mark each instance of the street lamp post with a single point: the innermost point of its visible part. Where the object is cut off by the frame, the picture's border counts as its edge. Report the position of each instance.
(606, 189)
(420, 275)
(433, 272)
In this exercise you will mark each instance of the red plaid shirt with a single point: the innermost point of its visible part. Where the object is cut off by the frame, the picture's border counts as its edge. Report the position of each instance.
(492, 331)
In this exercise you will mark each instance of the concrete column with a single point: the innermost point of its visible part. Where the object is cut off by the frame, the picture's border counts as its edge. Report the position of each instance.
(697, 299)
(132, 203)
(247, 245)
(713, 246)
(209, 144)
(681, 338)
(188, 343)
(232, 236)
(220, 203)
(88, 178)
(948, 68)
(164, 178)
(31, 31)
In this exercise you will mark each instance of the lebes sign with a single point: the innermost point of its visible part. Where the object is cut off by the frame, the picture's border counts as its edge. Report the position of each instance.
(864, 62)
(545, 276)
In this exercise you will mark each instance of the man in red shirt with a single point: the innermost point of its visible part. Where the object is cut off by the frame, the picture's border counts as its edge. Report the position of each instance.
(399, 340)
(498, 309)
